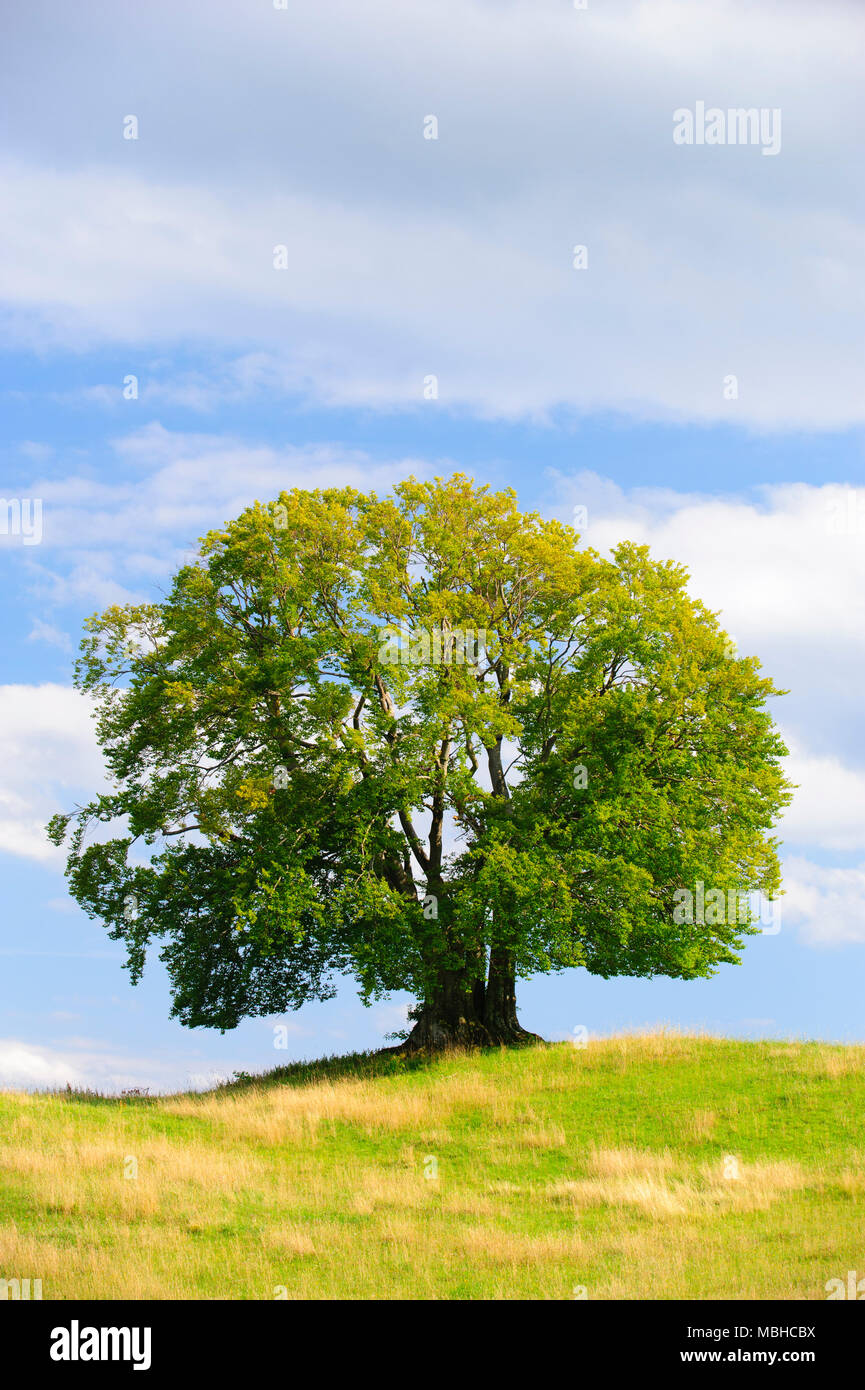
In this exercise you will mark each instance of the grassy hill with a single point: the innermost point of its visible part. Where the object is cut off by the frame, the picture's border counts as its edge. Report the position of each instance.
(658, 1166)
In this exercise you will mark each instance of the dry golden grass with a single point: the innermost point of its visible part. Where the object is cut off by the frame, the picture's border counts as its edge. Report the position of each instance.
(659, 1165)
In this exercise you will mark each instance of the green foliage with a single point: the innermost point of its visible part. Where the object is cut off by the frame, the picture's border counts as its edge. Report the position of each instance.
(282, 789)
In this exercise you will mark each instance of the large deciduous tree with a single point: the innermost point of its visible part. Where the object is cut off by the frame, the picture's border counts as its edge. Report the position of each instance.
(425, 740)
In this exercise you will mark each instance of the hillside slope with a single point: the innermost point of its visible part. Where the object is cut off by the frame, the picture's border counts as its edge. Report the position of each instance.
(657, 1166)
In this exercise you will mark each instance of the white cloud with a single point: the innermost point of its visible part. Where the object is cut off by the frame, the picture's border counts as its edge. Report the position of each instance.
(47, 748)
(774, 560)
(38, 452)
(25, 1065)
(789, 587)
(410, 256)
(89, 1063)
(827, 904)
(828, 809)
(105, 542)
(390, 1018)
(48, 633)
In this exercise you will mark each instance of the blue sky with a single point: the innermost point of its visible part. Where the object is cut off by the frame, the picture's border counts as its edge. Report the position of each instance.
(605, 387)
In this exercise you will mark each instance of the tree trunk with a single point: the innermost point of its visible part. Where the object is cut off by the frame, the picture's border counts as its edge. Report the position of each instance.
(449, 1016)
(500, 1004)
(462, 1011)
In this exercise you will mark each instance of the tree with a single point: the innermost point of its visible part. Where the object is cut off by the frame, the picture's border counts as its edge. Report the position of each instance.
(425, 740)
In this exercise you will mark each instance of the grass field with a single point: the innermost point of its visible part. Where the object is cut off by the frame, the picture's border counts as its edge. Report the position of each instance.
(652, 1166)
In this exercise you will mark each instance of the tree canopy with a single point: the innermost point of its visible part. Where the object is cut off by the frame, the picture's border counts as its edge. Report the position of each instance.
(426, 740)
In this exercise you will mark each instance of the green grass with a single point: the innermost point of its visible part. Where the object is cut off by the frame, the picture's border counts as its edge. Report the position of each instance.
(653, 1166)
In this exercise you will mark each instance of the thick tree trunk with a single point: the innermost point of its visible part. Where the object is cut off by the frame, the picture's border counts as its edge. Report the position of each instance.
(465, 1012)
(500, 1005)
(449, 1017)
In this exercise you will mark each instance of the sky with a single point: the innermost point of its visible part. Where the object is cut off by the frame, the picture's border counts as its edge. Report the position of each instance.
(248, 246)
